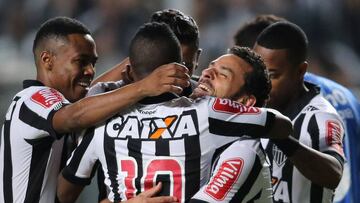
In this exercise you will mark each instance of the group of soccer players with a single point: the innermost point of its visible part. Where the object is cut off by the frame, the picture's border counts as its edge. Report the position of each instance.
(200, 148)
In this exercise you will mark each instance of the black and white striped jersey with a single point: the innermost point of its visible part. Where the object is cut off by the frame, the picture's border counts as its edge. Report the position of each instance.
(241, 174)
(317, 125)
(172, 141)
(30, 151)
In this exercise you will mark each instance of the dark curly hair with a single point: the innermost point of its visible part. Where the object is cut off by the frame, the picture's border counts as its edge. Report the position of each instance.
(184, 26)
(257, 81)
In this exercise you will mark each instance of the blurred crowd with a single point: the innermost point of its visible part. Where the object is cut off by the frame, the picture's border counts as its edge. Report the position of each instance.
(333, 28)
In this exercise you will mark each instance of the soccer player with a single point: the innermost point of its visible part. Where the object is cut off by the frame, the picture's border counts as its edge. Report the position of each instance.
(315, 147)
(162, 138)
(340, 97)
(186, 31)
(40, 115)
(241, 172)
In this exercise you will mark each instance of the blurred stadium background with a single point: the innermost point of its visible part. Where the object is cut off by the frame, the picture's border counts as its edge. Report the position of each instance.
(333, 28)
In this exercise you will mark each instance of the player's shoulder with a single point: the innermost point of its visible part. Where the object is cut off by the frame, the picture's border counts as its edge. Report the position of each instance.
(41, 99)
(319, 104)
(324, 112)
(43, 95)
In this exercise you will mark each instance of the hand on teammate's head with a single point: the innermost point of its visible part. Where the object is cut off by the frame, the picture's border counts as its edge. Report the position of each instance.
(173, 77)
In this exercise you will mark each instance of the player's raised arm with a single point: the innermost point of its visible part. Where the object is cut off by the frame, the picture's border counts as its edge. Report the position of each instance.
(91, 110)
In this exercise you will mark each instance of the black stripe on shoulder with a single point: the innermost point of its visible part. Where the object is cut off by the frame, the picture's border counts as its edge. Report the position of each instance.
(297, 126)
(249, 182)
(31, 118)
(197, 201)
(226, 128)
(70, 170)
(313, 130)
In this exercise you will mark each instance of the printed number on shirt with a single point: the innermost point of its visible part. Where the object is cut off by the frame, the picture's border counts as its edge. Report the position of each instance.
(154, 168)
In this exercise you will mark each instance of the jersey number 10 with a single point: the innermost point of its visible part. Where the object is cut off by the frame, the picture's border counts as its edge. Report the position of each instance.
(154, 167)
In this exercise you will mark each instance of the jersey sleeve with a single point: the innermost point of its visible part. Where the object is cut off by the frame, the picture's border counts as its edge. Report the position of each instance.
(235, 175)
(327, 130)
(230, 118)
(83, 162)
(38, 110)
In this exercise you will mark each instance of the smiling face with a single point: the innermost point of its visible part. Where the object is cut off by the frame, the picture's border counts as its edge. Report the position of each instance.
(224, 77)
(72, 65)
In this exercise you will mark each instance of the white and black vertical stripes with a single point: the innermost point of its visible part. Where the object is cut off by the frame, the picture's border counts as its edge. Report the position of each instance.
(7, 173)
(318, 126)
(30, 151)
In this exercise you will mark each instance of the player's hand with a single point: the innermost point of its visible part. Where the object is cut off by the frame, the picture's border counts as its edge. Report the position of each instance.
(148, 196)
(171, 77)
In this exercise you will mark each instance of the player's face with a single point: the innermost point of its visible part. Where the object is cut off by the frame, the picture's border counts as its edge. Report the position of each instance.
(282, 75)
(190, 57)
(224, 77)
(73, 66)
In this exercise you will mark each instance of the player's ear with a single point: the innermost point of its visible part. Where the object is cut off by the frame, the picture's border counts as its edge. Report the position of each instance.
(127, 74)
(303, 68)
(197, 56)
(46, 58)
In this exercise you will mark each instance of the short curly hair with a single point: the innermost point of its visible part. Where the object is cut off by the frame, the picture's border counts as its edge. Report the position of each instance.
(59, 27)
(184, 26)
(257, 81)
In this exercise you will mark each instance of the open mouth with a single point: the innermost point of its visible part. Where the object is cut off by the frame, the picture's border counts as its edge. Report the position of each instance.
(204, 89)
(84, 84)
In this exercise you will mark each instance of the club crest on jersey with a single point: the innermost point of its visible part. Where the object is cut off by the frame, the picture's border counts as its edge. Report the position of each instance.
(278, 156)
(47, 97)
(229, 106)
(225, 178)
(152, 128)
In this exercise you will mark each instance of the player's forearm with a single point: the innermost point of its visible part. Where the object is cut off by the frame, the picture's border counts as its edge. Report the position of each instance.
(66, 191)
(92, 110)
(281, 128)
(113, 74)
(318, 167)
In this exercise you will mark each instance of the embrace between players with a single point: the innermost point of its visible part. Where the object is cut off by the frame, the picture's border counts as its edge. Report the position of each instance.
(142, 132)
